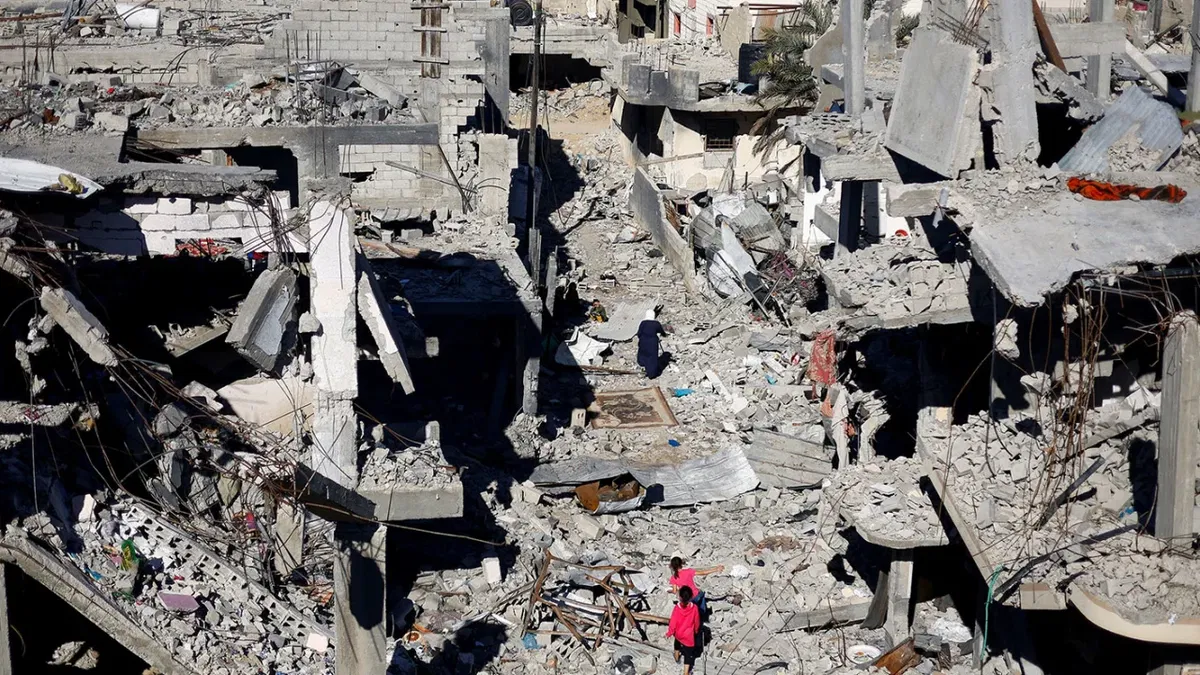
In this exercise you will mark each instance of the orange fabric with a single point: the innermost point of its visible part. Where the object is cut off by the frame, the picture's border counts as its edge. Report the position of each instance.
(1109, 192)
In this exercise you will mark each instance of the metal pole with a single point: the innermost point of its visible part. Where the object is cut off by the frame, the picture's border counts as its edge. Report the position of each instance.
(531, 222)
(1193, 92)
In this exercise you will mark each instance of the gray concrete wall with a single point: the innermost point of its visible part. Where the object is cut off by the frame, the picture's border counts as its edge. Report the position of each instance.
(651, 214)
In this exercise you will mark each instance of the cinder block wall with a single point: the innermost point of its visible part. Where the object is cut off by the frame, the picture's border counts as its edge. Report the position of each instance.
(379, 36)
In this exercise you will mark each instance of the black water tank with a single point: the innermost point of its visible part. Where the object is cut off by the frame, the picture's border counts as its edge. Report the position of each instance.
(520, 12)
(748, 53)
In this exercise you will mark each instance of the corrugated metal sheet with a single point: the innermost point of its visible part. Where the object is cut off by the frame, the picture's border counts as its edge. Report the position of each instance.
(715, 478)
(1154, 122)
(23, 175)
(755, 223)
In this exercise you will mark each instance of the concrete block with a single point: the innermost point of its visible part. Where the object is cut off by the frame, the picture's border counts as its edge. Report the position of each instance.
(611, 523)
(317, 643)
(492, 572)
(528, 494)
(933, 102)
(544, 636)
(140, 205)
(588, 527)
(84, 328)
(111, 122)
(174, 206)
(1088, 39)
(157, 222)
(376, 312)
(263, 321)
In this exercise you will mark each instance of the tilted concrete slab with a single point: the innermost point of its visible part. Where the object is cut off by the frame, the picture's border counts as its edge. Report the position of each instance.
(263, 319)
(83, 326)
(69, 585)
(934, 119)
(1039, 251)
(376, 312)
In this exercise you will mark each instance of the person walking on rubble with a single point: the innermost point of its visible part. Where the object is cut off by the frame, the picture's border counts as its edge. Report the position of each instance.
(648, 333)
(685, 577)
(685, 628)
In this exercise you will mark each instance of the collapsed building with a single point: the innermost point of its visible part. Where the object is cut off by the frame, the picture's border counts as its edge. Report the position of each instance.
(300, 383)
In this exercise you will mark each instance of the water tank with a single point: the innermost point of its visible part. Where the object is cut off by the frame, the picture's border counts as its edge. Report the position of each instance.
(520, 12)
(748, 53)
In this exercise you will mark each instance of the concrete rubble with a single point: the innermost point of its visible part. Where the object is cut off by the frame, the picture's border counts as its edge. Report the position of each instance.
(298, 383)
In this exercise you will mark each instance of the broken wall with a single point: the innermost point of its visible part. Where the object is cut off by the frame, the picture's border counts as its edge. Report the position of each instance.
(683, 135)
(146, 65)
(167, 225)
(651, 214)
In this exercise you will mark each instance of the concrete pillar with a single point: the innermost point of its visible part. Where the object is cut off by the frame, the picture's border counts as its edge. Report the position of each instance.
(1099, 68)
(289, 538)
(872, 222)
(1178, 432)
(850, 217)
(5, 650)
(495, 173)
(1014, 49)
(900, 581)
(333, 291)
(359, 590)
(529, 358)
(1193, 92)
(854, 56)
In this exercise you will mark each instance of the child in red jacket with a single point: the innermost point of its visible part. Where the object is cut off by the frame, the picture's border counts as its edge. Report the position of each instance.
(685, 628)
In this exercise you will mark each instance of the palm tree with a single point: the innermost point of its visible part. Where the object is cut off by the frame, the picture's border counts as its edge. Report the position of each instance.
(789, 79)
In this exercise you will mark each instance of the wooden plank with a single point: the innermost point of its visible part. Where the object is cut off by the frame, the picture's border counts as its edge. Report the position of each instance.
(430, 59)
(1047, 38)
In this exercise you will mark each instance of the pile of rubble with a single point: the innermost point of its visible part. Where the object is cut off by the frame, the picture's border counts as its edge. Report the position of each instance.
(333, 96)
(565, 102)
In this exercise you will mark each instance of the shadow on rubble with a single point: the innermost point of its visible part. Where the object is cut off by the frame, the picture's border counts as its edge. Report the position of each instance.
(564, 385)
(48, 636)
(474, 388)
(473, 649)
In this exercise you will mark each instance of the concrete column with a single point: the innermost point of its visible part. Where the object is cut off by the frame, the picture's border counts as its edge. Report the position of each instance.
(1193, 92)
(529, 358)
(289, 538)
(359, 589)
(1178, 432)
(1099, 68)
(333, 290)
(850, 217)
(872, 223)
(854, 56)
(5, 651)
(900, 581)
(1014, 49)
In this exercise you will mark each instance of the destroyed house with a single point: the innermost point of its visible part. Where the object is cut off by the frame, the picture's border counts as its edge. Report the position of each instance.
(350, 338)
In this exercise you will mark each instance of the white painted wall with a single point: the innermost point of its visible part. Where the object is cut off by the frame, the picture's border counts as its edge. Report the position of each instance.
(152, 226)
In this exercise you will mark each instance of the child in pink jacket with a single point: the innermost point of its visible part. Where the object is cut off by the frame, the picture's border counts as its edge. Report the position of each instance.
(685, 628)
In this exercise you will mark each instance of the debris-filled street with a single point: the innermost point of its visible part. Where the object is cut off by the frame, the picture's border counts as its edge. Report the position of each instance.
(590, 338)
